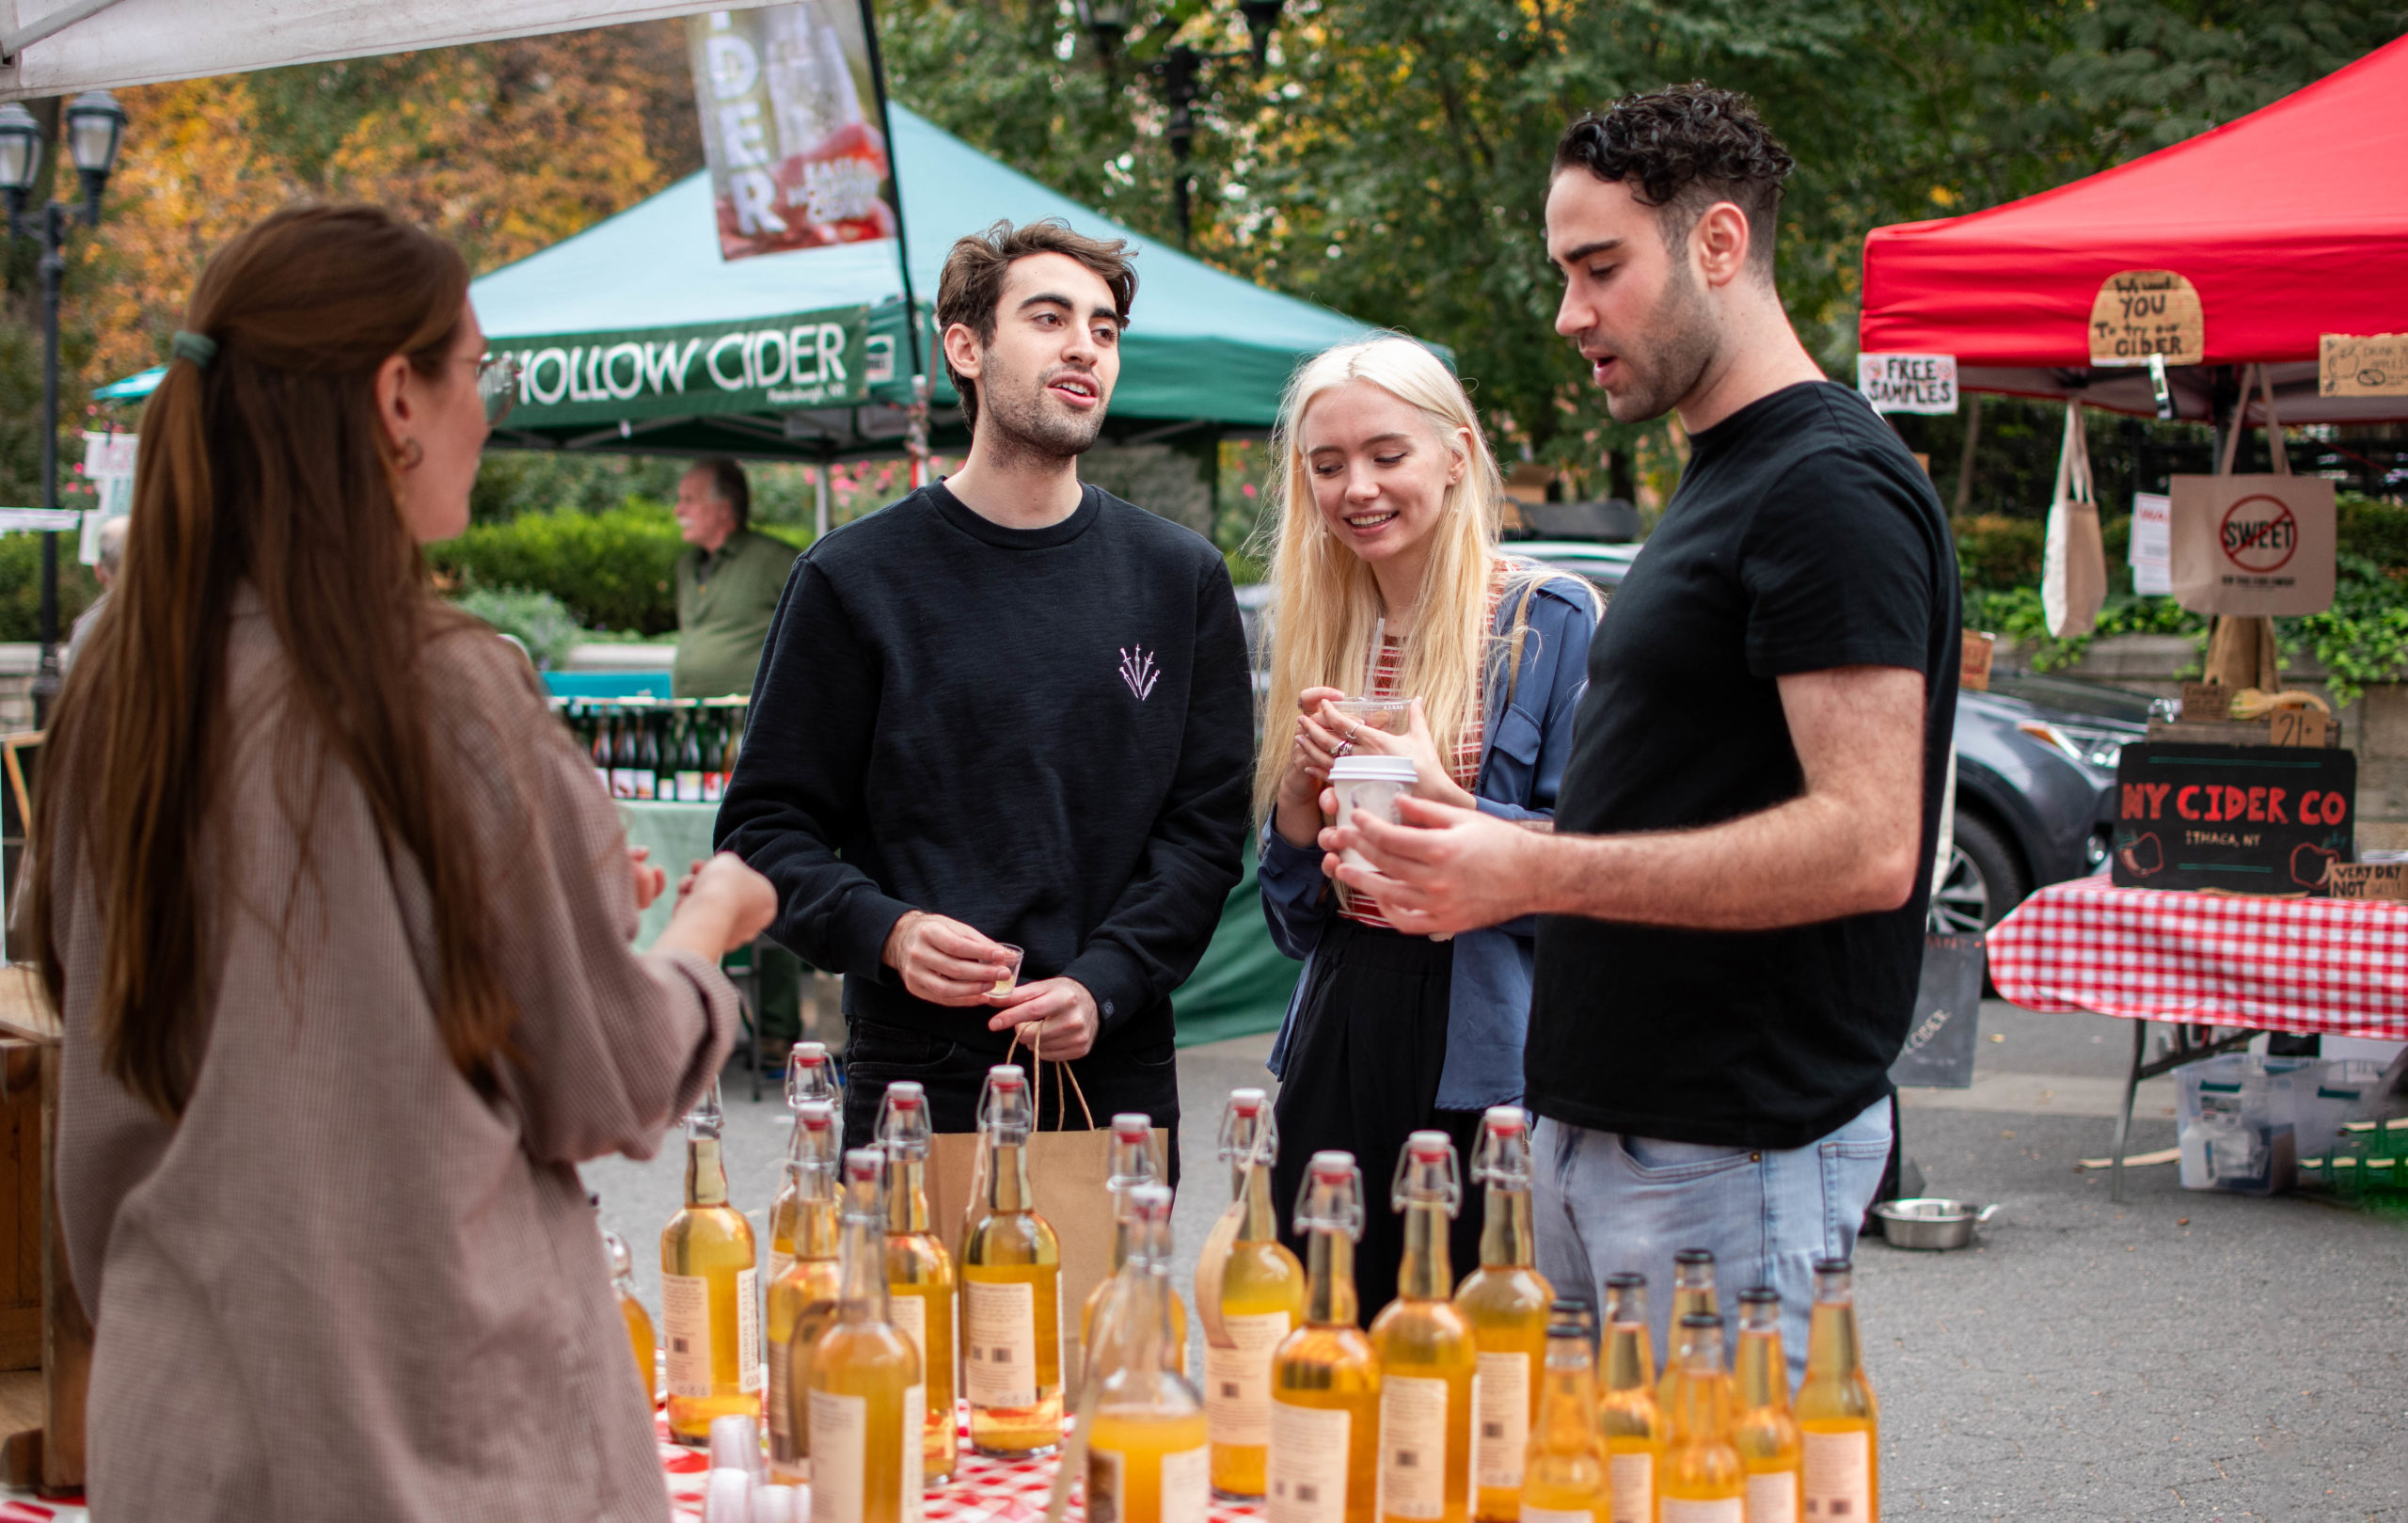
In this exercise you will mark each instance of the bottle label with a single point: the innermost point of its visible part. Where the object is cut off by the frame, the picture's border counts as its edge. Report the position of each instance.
(602, 775)
(690, 787)
(642, 783)
(714, 787)
(1556, 1514)
(999, 1354)
(1413, 1446)
(779, 1264)
(780, 1402)
(1675, 1510)
(686, 1327)
(750, 1376)
(1187, 1486)
(909, 1315)
(1773, 1497)
(1107, 1485)
(908, 1457)
(1501, 1420)
(623, 783)
(839, 1439)
(1839, 1477)
(1630, 1480)
(1237, 1381)
(1306, 1468)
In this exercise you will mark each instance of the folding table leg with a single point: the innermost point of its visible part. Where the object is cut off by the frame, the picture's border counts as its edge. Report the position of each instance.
(2124, 1117)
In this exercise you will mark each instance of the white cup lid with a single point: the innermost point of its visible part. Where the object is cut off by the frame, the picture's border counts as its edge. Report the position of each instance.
(1372, 770)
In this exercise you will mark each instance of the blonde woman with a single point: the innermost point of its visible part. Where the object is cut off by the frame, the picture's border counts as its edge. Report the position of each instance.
(1390, 584)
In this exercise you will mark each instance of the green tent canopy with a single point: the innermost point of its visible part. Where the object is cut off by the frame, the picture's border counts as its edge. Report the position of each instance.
(638, 338)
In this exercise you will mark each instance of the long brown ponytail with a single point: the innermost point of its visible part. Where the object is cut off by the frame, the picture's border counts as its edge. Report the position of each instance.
(272, 467)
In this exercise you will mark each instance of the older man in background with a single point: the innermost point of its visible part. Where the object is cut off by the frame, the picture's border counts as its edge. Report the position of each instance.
(728, 582)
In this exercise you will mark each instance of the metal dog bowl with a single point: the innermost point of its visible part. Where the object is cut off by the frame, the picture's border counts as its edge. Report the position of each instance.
(1930, 1224)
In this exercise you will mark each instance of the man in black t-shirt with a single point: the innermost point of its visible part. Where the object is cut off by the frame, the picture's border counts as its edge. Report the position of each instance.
(1734, 894)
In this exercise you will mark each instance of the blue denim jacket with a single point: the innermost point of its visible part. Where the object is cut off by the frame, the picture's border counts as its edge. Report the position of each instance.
(1522, 755)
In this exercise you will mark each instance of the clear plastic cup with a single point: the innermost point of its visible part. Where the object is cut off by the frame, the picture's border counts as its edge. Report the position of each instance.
(1392, 715)
(1010, 981)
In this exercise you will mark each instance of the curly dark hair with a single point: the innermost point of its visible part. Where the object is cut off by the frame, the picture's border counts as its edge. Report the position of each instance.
(1681, 149)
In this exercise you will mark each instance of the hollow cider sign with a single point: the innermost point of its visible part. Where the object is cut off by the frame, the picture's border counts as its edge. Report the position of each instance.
(797, 160)
(2252, 544)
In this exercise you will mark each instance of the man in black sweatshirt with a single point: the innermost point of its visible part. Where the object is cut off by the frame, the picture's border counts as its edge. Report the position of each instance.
(1006, 710)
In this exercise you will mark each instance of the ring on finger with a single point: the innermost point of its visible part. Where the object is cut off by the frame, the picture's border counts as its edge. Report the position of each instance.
(1342, 748)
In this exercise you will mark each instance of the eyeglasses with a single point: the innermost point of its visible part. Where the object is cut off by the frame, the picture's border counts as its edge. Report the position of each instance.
(497, 381)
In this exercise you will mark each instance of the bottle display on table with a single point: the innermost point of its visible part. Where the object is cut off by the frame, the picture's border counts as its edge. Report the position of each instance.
(919, 1272)
(1149, 1460)
(803, 1297)
(708, 725)
(647, 772)
(1131, 1164)
(1324, 1449)
(710, 1298)
(1564, 1470)
(690, 755)
(639, 1334)
(1770, 1448)
(1692, 1294)
(810, 1075)
(623, 755)
(1837, 1417)
(866, 1400)
(1261, 1301)
(1506, 1300)
(597, 746)
(1427, 1354)
(1627, 1414)
(1702, 1481)
(1011, 1289)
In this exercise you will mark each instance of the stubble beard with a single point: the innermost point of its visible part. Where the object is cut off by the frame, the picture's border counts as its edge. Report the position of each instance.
(1672, 352)
(1027, 427)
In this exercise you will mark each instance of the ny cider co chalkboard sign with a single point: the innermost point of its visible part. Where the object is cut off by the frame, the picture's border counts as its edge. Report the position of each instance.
(2253, 819)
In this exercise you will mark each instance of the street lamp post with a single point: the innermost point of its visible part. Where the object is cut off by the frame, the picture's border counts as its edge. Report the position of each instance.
(94, 126)
(1180, 69)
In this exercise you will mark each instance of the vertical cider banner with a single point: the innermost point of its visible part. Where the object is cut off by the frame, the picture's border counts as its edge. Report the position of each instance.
(796, 160)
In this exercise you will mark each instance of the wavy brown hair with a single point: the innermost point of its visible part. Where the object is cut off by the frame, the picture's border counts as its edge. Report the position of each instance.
(268, 468)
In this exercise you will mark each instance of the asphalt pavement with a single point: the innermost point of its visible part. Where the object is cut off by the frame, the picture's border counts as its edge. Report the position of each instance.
(2183, 1355)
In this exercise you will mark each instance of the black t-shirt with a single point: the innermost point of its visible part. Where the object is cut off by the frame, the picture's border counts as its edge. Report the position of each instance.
(1803, 537)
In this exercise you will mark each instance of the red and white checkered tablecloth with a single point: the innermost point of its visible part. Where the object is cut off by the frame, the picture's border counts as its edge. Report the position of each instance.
(982, 1490)
(2336, 967)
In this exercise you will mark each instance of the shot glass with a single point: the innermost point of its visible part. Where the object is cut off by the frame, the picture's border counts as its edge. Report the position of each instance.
(1010, 980)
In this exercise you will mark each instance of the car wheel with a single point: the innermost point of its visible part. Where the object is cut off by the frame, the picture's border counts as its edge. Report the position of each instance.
(1983, 883)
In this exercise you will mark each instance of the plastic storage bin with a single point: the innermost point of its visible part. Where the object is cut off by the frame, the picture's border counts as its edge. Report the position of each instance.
(2234, 1122)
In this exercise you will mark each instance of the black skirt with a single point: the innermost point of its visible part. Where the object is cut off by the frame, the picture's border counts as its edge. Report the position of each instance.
(1362, 1073)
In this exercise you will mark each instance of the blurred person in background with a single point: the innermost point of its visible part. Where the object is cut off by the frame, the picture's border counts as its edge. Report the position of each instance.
(728, 581)
(105, 572)
(338, 925)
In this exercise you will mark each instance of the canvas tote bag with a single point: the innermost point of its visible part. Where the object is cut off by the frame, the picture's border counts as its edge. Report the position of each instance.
(2073, 569)
(2253, 546)
(1068, 1168)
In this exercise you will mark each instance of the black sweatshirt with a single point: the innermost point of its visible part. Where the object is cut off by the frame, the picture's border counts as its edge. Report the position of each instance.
(1043, 733)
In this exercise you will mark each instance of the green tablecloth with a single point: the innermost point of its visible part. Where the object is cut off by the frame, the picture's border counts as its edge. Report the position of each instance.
(1240, 989)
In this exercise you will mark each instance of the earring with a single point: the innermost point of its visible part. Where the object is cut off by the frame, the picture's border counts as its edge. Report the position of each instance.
(412, 455)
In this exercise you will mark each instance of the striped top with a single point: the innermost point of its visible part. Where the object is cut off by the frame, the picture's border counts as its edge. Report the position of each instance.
(1387, 670)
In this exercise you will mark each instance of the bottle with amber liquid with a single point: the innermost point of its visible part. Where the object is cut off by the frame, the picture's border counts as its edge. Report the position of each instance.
(1131, 1164)
(1563, 1471)
(1324, 1444)
(1262, 1301)
(803, 1300)
(1837, 1417)
(1628, 1416)
(711, 1294)
(919, 1271)
(1427, 1355)
(640, 1335)
(1692, 1294)
(810, 1075)
(1702, 1481)
(1506, 1300)
(1011, 1289)
(1771, 1451)
(1148, 1459)
(865, 1402)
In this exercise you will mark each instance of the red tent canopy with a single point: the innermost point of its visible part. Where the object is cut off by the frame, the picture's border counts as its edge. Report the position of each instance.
(2291, 222)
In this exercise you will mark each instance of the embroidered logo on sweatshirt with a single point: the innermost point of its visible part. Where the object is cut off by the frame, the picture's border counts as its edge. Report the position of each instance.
(1137, 669)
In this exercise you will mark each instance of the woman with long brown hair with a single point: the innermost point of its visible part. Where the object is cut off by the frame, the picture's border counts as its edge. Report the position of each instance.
(338, 923)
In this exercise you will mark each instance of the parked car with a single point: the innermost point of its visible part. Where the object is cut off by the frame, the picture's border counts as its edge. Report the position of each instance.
(2035, 770)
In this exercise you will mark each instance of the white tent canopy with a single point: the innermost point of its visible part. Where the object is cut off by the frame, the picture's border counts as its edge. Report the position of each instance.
(60, 47)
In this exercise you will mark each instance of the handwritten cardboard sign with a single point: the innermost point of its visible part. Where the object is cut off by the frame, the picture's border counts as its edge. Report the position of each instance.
(2368, 880)
(2248, 820)
(2142, 313)
(1907, 383)
(2206, 702)
(2298, 726)
(1974, 664)
(2355, 365)
(2252, 544)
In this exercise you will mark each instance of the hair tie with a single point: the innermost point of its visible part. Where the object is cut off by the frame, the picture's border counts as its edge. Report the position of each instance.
(197, 347)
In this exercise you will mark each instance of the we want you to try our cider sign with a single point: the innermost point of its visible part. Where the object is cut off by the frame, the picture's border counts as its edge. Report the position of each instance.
(757, 365)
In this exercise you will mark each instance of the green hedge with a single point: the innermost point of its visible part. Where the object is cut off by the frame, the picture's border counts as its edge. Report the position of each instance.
(614, 569)
(21, 587)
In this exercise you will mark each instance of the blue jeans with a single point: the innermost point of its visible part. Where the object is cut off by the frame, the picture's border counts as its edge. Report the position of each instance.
(1607, 1202)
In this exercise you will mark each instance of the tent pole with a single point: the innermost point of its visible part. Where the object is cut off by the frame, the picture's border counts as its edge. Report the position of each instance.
(918, 441)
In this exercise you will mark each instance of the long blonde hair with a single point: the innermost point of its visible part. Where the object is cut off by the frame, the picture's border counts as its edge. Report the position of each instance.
(1328, 603)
